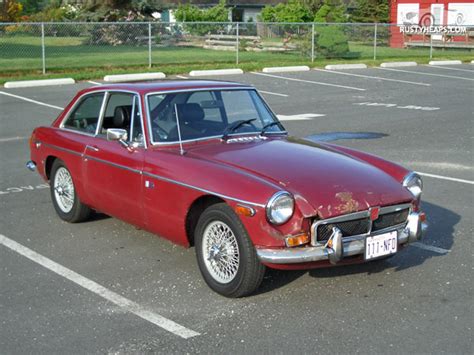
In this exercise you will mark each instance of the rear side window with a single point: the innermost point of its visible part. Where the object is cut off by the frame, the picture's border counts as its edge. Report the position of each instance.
(85, 115)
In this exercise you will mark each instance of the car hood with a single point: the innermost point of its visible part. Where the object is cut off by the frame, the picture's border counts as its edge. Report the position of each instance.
(323, 181)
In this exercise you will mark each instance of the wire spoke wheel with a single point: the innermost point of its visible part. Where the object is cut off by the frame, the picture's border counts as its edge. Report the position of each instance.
(220, 251)
(64, 190)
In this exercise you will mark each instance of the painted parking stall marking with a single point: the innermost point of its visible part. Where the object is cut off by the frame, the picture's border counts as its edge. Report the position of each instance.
(272, 93)
(430, 248)
(24, 188)
(99, 290)
(449, 68)
(309, 81)
(373, 77)
(424, 73)
(407, 107)
(31, 100)
(300, 117)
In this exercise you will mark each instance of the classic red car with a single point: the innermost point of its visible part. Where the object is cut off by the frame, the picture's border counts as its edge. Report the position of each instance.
(208, 164)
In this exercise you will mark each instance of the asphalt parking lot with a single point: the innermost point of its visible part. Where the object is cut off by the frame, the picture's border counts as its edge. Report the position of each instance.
(419, 301)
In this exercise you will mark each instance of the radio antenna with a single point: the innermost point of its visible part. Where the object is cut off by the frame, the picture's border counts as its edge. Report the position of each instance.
(181, 150)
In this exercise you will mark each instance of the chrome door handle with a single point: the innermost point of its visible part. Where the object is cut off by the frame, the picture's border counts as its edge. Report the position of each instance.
(91, 147)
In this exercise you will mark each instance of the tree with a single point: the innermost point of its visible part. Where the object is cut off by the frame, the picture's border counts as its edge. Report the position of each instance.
(10, 11)
(292, 11)
(331, 11)
(370, 11)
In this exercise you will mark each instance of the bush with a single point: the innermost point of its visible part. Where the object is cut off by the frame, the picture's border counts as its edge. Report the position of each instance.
(331, 42)
(191, 13)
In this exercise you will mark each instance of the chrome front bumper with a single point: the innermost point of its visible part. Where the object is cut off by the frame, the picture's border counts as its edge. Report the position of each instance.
(341, 248)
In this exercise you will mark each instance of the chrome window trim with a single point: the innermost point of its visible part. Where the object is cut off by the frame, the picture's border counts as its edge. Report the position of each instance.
(102, 111)
(354, 216)
(147, 107)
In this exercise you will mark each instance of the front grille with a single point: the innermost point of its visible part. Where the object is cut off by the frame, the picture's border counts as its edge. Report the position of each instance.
(390, 219)
(362, 225)
(354, 227)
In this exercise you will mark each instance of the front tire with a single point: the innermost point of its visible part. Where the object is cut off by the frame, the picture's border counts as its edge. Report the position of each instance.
(225, 253)
(66, 202)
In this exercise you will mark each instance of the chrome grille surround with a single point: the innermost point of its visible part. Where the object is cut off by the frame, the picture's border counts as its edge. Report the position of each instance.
(361, 215)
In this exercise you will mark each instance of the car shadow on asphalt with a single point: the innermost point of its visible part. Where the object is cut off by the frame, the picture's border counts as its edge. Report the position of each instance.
(440, 234)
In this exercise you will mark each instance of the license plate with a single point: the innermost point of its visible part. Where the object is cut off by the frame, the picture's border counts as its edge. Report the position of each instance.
(381, 245)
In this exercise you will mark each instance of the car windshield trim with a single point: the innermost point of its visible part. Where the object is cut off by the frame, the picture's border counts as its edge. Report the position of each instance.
(217, 136)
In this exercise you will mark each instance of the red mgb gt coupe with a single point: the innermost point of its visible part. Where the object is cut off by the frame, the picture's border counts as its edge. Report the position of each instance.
(208, 164)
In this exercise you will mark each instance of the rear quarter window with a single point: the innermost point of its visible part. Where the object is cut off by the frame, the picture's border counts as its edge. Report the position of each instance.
(85, 115)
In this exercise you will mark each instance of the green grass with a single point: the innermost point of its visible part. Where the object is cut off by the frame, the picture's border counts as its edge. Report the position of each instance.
(20, 58)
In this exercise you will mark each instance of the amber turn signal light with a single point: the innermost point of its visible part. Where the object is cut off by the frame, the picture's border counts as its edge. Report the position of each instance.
(297, 240)
(244, 210)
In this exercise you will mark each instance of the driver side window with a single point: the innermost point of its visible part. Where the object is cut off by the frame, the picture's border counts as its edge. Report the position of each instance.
(123, 112)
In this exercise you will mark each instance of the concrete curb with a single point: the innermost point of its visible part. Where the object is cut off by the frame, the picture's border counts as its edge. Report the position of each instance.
(285, 69)
(398, 64)
(345, 66)
(33, 83)
(445, 62)
(134, 77)
(215, 72)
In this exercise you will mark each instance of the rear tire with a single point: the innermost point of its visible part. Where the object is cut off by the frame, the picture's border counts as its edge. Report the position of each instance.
(66, 202)
(226, 256)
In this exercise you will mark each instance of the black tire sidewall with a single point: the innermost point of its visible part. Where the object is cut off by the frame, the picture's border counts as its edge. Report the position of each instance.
(224, 214)
(71, 215)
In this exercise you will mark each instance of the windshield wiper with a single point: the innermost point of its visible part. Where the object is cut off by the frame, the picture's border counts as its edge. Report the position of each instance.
(234, 125)
(268, 125)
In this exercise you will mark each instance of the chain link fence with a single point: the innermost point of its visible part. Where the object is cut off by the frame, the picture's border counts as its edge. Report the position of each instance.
(60, 46)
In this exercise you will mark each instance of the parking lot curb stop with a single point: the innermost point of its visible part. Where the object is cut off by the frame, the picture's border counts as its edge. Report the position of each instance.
(345, 66)
(215, 72)
(285, 69)
(134, 77)
(444, 62)
(33, 83)
(398, 64)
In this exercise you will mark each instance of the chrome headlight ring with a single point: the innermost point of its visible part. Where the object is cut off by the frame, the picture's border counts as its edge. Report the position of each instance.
(280, 208)
(413, 183)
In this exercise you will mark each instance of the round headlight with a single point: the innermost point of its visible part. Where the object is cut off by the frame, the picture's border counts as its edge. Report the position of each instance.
(280, 207)
(414, 184)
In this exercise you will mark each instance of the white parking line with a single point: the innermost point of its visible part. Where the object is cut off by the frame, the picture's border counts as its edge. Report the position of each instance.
(100, 290)
(423, 73)
(430, 248)
(448, 68)
(30, 100)
(272, 93)
(373, 77)
(300, 117)
(94, 82)
(182, 77)
(309, 81)
(441, 177)
(10, 139)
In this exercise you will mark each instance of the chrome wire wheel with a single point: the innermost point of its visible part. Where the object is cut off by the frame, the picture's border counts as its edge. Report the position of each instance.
(63, 190)
(221, 252)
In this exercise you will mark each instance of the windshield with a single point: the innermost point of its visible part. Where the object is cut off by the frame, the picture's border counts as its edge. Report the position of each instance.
(212, 113)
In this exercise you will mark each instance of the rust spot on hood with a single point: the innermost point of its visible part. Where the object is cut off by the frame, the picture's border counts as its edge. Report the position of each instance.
(348, 204)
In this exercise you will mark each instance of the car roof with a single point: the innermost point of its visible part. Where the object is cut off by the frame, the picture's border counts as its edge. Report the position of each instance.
(169, 85)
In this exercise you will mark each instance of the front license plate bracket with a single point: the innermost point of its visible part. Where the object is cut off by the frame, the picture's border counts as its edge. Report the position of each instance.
(378, 246)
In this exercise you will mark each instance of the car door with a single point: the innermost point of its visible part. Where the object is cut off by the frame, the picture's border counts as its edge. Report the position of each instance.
(76, 132)
(113, 171)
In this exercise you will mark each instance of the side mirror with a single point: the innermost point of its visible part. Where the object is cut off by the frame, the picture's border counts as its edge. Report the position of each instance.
(117, 134)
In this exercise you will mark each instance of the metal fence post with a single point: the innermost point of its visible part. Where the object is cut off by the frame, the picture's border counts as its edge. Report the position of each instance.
(431, 45)
(312, 43)
(43, 52)
(375, 42)
(149, 44)
(237, 44)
